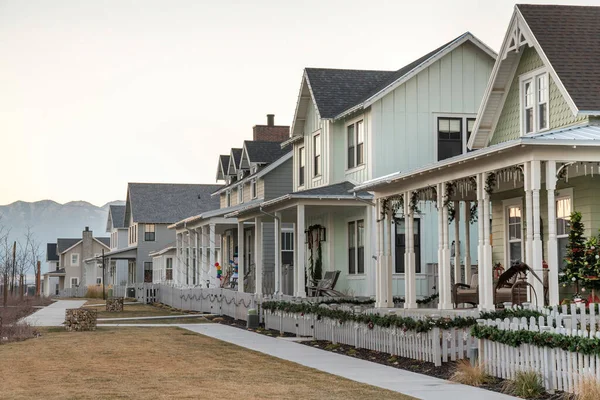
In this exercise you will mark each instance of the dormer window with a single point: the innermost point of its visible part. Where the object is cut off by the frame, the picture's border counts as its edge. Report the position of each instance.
(534, 102)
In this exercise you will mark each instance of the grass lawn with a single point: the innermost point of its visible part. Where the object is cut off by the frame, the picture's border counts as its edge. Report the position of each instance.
(161, 363)
(189, 320)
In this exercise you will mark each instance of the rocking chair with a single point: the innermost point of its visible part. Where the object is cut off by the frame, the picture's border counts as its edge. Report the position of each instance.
(325, 286)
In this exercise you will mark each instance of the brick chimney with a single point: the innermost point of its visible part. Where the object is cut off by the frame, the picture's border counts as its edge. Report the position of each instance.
(88, 243)
(271, 132)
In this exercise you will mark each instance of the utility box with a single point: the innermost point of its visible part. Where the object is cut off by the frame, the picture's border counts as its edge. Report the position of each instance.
(253, 320)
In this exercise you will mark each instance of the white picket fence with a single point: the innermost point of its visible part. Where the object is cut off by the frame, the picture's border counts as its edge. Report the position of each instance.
(560, 369)
(435, 346)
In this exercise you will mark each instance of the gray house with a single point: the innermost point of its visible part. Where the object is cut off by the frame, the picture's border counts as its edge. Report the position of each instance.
(260, 170)
(149, 209)
(115, 226)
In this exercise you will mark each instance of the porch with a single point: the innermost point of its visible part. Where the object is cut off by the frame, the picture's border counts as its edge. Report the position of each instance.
(501, 188)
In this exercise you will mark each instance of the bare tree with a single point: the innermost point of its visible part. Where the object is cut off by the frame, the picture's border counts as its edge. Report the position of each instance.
(5, 260)
(28, 255)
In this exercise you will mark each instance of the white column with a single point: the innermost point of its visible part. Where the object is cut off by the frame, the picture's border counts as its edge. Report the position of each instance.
(277, 258)
(205, 273)
(457, 266)
(300, 267)
(241, 272)
(410, 279)
(379, 271)
(446, 291)
(488, 282)
(258, 257)
(441, 276)
(212, 271)
(178, 253)
(197, 258)
(387, 278)
(536, 255)
(528, 215)
(480, 242)
(552, 246)
(371, 231)
(468, 242)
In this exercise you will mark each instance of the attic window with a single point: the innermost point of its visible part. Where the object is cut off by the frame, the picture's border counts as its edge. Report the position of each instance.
(534, 102)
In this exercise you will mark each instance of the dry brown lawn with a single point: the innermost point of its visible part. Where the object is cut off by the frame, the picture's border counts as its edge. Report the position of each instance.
(160, 363)
(136, 310)
(199, 319)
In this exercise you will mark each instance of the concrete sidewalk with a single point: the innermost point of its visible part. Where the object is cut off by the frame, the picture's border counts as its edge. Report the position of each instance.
(54, 314)
(398, 380)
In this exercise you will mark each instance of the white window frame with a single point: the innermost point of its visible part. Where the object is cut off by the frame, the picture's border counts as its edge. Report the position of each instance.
(76, 280)
(356, 166)
(228, 198)
(167, 259)
(241, 193)
(532, 77)
(465, 117)
(76, 262)
(145, 231)
(506, 205)
(317, 137)
(301, 164)
(562, 194)
(356, 219)
(98, 280)
(253, 189)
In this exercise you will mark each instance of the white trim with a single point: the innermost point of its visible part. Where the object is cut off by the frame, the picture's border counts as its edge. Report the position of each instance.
(561, 194)
(253, 189)
(72, 247)
(297, 171)
(506, 204)
(71, 281)
(77, 262)
(355, 219)
(355, 121)
(313, 142)
(532, 76)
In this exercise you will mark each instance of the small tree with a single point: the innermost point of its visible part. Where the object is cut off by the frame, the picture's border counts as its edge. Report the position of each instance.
(574, 263)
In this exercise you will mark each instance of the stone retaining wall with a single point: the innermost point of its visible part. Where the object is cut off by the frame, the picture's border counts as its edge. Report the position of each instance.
(80, 319)
(114, 304)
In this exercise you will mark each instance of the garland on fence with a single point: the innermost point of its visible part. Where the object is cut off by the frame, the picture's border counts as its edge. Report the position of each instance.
(577, 344)
(351, 301)
(510, 313)
(386, 321)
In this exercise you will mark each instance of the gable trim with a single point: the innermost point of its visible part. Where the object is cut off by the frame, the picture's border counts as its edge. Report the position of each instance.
(468, 36)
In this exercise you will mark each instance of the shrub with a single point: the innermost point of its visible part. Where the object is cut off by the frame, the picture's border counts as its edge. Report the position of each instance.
(94, 292)
(589, 389)
(527, 384)
(468, 374)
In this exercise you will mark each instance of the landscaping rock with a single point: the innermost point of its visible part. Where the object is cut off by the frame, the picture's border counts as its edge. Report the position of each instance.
(80, 319)
(114, 304)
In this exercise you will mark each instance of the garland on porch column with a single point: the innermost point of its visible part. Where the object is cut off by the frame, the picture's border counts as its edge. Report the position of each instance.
(393, 204)
(315, 271)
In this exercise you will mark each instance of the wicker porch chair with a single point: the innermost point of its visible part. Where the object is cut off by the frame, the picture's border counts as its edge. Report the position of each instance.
(466, 294)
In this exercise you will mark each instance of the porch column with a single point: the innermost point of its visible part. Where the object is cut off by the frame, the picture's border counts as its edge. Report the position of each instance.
(241, 252)
(197, 257)
(379, 272)
(553, 261)
(186, 257)
(204, 275)
(457, 266)
(258, 258)
(441, 276)
(528, 215)
(537, 256)
(410, 292)
(384, 271)
(467, 242)
(480, 244)
(277, 258)
(300, 268)
(212, 274)
(488, 282)
(445, 292)
(178, 255)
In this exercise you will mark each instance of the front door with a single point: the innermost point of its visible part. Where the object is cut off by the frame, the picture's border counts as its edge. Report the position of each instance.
(401, 248)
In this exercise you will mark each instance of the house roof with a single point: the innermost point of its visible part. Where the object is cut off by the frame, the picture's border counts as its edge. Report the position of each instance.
(166, 203)
(223, 166)
(237, 156)
(51, 254)
(63, 244)
(336, 90)
(264, 152)
(570, 38)
(104, 240)
(582, 133)
(217, 212)
(117, 214)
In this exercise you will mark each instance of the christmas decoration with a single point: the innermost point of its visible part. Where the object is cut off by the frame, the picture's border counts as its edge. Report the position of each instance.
(573, 271)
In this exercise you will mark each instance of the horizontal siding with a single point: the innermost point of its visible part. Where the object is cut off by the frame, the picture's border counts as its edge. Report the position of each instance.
(277, 182)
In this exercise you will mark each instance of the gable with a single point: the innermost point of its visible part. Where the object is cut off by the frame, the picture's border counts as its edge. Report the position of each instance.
(508, 126)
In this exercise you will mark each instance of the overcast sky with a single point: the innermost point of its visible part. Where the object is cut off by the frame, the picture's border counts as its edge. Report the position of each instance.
(95, 94)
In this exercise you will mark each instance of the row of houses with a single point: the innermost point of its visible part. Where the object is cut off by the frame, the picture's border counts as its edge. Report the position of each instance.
(405, 181)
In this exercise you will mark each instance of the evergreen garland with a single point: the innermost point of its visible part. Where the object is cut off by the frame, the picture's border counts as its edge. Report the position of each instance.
(573, 271)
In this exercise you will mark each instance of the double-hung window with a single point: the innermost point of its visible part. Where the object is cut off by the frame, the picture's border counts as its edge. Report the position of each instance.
(317, 155)
(253, 188)
(563, 226)
(450, 137)
(301, 162)
(534, 102)
(75, 259)
(149, 233)
(356, 247)
(287, 247)
(241, 193)
(169, 269)
(355, 139)
(515, 234)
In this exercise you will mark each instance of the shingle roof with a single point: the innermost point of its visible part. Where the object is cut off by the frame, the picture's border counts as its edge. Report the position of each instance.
(167, 203)
(570, 38)
(104, 240)
(237, 155)
(337, 90)
(51, 252)
(224, 160)
(264, 152)
(117, 214)
(64, 243)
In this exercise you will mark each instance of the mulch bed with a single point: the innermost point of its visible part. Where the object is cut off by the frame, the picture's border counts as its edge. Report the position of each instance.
(236, 323)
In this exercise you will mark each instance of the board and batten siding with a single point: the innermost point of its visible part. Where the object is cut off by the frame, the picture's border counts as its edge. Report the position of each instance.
(509, 122)
(403, 121)
(339, 153)
(312, 126)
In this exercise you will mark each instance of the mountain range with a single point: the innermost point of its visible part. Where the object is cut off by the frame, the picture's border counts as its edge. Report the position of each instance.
(50, 220)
